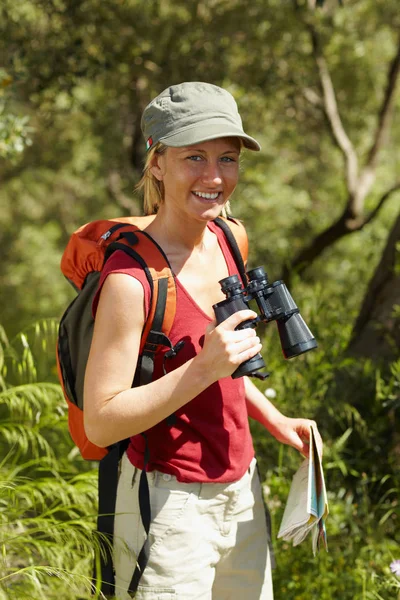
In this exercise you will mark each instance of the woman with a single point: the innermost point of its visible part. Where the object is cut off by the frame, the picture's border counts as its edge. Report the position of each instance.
(208, 535)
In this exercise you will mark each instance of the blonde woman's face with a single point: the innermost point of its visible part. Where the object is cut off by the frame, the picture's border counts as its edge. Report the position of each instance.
(199, 179)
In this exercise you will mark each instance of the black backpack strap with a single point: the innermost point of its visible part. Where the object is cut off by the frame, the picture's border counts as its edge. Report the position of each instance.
(156, 337)
(107, 496)
(237, 255)
(145, 514)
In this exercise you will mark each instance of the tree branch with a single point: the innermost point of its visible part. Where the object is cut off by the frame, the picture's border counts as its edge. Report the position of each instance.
(343, 226)
(358, 184)
(384, 275)
(367, 176)
(381, 202)
(323, 240)
(332, 113)
(385, 110)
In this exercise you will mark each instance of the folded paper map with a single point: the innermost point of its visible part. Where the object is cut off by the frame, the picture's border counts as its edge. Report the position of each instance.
(307, 505)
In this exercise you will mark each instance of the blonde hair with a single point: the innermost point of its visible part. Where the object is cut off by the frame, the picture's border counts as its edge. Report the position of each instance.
(153, 189)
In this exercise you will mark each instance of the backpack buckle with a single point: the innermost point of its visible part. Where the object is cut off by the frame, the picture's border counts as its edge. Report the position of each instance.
(174, 350)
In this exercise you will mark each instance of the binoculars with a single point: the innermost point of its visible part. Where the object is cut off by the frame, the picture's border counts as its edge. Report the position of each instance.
(274, 303)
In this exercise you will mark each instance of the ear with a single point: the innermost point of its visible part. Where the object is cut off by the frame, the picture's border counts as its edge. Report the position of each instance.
(157, 166)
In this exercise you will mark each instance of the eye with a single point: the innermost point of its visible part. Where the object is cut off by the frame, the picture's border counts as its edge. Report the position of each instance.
(194, 157)
(227, 159)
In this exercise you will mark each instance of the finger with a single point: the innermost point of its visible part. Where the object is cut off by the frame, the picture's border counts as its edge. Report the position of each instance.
(300, 444)
(234, 335)
(248, 333)
(304, 449)
(238, 317)
(250, 343)
(302, 437)
(246, 354)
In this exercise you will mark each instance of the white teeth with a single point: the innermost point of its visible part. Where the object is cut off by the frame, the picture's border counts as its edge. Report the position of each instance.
(207, 196)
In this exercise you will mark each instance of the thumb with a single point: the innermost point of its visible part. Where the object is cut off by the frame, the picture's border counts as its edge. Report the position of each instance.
(299, 444)
(238, 317)
(211, 326)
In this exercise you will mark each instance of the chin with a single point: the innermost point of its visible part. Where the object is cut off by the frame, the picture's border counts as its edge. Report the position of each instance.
(210, 214)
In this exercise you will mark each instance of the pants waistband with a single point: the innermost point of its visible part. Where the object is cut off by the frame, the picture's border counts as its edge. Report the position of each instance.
(202, 490)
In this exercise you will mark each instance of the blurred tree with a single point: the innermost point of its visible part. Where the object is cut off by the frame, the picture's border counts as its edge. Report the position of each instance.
(376, 332)
(85, 70)
(358, 181)
(14, 129)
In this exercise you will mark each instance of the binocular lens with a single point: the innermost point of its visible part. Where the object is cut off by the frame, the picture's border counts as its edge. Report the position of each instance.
(231, 285)
(296, 338)
(258, 274)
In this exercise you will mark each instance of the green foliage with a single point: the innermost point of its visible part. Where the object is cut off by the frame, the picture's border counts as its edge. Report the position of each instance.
(47, 497)
(15, 133)
(356, 406)
(82, 74)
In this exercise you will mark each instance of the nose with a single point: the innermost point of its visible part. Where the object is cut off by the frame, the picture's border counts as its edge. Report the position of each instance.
(212, 175)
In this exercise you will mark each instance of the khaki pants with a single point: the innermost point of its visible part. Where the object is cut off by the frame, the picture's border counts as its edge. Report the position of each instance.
(207, 540)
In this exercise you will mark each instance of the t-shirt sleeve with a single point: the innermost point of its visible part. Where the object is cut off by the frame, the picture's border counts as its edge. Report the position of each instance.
(120, 262)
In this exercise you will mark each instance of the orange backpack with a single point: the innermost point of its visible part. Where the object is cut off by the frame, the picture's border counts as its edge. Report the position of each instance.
(82, 262)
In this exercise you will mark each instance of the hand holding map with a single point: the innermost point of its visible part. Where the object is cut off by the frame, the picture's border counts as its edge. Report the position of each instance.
(307, 505)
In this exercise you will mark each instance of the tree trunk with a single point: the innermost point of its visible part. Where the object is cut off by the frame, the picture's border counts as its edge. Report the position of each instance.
(343, 226)
(376, 333)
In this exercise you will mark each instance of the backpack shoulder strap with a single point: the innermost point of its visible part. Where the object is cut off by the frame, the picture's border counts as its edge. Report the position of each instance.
(236, 236)
(154, 262)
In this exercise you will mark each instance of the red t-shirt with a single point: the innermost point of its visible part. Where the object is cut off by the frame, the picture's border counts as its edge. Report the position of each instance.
(210, 440)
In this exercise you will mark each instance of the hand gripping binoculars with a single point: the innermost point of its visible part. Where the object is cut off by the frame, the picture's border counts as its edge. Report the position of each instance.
(274, 303)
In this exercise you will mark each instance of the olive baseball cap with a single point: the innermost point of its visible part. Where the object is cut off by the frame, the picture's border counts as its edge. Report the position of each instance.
(193, 112)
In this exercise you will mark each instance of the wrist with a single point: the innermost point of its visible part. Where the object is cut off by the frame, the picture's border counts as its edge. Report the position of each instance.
(274, 424)
(202, 372)
(261, 409)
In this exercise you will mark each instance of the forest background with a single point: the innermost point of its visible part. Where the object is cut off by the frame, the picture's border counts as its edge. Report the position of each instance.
(317, 84)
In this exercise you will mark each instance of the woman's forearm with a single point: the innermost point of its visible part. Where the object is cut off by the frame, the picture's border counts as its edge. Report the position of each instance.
(135, 410)
(260, 408)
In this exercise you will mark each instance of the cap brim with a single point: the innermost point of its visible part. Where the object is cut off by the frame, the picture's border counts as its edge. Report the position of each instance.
(204, 132)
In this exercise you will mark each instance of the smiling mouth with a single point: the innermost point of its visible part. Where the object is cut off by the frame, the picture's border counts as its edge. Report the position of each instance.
(207, 195)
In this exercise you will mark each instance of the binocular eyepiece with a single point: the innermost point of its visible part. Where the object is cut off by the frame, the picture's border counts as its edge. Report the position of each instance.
(274, 303)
